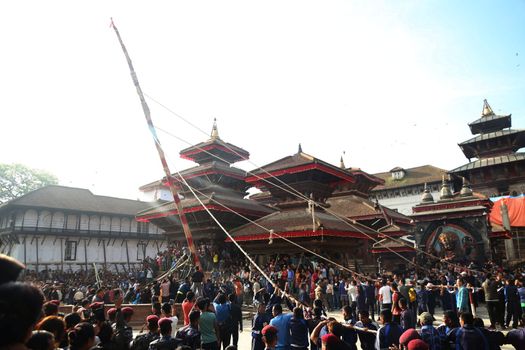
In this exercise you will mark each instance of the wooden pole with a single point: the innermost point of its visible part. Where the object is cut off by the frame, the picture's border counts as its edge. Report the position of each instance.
(36, 265)
(160, 151)
(61, 254)
(85, 254)
(104, 251)
(127, 253)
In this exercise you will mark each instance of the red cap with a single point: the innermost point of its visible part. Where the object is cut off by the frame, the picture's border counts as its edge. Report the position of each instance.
(269, 329)
(112, 311)
(417, 344)
(127, 311)
(152, 318)
(96, 305)
(56, 302)
(164, 320)
(330, 339)
(408, 335)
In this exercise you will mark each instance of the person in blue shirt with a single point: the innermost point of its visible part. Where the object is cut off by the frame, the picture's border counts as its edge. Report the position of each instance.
(282, 323)
(260, 320)
(512, 302)
(468, 337)
(349, 333)
(388, 335)
(422, 298)
(521, 293)
(367, 339)
(298, 330)
(462, 297)
(428, 333)
(224, 318)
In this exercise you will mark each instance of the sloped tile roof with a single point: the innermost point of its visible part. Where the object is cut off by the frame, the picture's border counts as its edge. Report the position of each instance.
(413, 176)
(487, 162)
(77, 199)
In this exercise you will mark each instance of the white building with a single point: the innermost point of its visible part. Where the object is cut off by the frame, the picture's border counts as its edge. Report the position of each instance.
(403, 187)
(58, 227)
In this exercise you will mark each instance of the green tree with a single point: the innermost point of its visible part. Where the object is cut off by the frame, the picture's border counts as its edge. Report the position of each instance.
(17, 180)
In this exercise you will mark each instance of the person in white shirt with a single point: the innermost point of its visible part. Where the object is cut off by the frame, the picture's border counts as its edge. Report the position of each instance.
(166, 310)
(351, 290)
(385, 296)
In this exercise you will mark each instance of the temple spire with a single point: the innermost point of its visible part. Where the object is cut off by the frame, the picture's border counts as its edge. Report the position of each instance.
(427, 196)
(215, 131)
(342, 163)
(300, 150)
(466, 191)
(445, 192)
(487, 110)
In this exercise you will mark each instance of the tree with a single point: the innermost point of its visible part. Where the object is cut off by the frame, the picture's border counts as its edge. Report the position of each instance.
(17, 180)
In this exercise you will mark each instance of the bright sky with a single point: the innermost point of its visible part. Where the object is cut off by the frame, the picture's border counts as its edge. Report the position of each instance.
(391, 83)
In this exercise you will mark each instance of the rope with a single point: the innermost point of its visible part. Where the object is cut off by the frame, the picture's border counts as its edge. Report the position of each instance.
(272, 233)
(354, 224)
(310, 201)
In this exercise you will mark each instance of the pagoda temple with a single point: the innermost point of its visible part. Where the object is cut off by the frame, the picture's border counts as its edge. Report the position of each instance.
(333, 229)
(498, 169)
(220, 186)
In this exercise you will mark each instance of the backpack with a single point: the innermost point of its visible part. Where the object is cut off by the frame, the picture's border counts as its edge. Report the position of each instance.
(412, 295)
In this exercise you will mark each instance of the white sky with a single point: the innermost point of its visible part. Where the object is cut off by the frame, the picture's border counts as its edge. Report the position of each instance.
(390, 83)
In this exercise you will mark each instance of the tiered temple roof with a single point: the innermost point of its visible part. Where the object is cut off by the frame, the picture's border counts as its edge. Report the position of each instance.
(495, 146)
(219, 186)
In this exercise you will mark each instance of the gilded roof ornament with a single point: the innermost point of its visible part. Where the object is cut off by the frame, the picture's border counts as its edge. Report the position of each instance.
(445, 192)
(215, 131)
(427, 196)
(487, 110)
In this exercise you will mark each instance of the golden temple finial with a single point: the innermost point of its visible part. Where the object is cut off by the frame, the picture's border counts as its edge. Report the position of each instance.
(427, 196)
(215, 131)
(466, 191)
(445, 192)
(342, 163)
(487, 110)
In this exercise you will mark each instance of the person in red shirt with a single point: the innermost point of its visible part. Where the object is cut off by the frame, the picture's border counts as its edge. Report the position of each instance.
(187, 306)
(396, 309)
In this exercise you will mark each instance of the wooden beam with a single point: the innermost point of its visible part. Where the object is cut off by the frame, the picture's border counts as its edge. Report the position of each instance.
(127, 253)
(85, 255)
(36, 265)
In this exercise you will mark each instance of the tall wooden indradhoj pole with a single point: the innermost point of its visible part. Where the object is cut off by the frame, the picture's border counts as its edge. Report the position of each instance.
(160, 151)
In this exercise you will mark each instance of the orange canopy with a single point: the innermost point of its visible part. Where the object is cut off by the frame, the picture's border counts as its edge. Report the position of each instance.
(515, 208)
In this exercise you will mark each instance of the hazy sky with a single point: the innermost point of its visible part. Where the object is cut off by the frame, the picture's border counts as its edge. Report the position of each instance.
(391, 83)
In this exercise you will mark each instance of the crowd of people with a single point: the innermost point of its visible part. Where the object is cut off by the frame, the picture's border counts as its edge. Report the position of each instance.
(377, 311)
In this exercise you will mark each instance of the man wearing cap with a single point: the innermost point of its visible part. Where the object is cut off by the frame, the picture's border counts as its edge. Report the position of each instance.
(417, 344)
(269, 337)
(407, 337)
(112, 313)
(428, 333)
(142, 341)
(123, 332)
(165, 342)
(190, 334)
